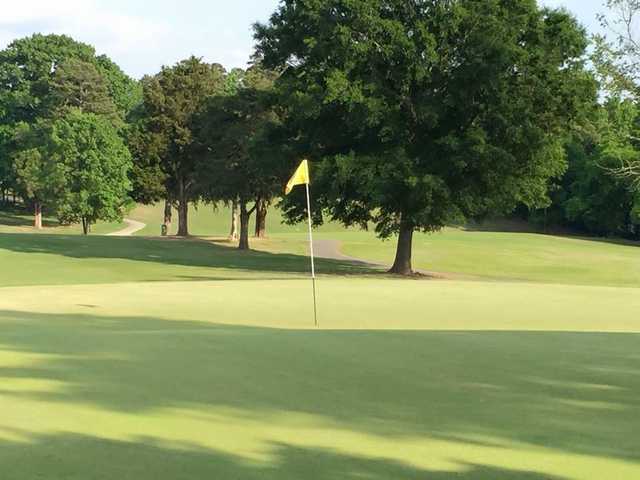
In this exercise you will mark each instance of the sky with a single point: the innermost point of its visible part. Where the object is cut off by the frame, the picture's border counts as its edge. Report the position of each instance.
(143, 35)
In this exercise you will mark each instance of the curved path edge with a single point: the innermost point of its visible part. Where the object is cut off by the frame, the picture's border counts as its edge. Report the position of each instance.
(331, 250)
(132, 227)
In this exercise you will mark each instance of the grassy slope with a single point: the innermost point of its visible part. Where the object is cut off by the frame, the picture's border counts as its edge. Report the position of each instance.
(508, 256)
(114, 365)
(15, 221)
(512, 256)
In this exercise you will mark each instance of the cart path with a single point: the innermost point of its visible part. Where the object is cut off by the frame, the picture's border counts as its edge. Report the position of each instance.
(331, 249)
(133, 226)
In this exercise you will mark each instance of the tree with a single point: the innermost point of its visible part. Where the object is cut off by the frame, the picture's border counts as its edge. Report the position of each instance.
(80, 85)
(96, 165)
(616, 58)
(596, 201)
(232, 154)
(417, 113)
(171, 101)
(41, 77)
(125, 92)
(7, 176)
(38, 177)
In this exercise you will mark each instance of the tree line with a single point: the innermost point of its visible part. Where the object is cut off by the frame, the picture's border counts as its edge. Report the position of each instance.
(414, 115)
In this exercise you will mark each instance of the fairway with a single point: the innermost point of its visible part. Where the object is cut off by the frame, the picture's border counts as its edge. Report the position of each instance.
(340, 240)
(140, 358)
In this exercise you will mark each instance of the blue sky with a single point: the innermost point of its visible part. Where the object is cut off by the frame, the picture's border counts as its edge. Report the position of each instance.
(143, 35)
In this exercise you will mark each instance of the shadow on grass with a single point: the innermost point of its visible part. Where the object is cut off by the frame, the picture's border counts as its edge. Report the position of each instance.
(572, 392)
(64, 456)
(192, 253)
(21, 218)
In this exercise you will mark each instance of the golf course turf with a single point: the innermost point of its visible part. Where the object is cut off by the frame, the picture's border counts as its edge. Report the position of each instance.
(142, 358)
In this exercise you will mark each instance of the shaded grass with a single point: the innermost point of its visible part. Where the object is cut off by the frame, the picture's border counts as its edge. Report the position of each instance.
(490, 255)
(57, 259)
(117, 373)
(18, 220)
(182, 396)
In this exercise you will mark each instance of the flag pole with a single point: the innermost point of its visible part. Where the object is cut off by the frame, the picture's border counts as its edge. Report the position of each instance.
(313, 267)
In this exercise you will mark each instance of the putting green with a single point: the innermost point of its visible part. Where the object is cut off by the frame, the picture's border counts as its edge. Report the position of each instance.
(136, 358)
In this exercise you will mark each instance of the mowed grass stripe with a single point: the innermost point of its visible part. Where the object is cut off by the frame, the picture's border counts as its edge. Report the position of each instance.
(185, 380)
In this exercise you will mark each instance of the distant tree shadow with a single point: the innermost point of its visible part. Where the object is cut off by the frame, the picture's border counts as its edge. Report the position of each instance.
(194, 253)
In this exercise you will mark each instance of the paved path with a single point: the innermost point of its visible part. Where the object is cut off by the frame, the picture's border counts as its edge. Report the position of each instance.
(133, 226)
(331, 249)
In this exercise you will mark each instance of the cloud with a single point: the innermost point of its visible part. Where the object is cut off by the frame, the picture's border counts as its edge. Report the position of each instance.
(114, 33)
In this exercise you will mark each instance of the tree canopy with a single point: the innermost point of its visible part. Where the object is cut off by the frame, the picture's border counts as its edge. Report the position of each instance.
(96, 165)
(235, 160)
(42, 79)
(171, 101)
(417, 113)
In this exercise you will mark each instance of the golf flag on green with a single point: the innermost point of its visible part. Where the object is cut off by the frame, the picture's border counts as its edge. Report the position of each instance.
(301, 177)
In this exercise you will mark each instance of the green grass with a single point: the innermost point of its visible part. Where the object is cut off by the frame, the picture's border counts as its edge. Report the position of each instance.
(512, 256)
(456, 253)
(206, 220)
(405, 379)
(14, 220)
(146, 358)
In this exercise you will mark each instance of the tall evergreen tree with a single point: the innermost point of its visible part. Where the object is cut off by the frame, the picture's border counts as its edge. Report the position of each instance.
(171, 101)
(233, 153)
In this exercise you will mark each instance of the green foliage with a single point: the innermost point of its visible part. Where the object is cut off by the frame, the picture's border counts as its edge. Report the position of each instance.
(232, 145)
(125, 92)
(38, 177)
(81, 85)
(96, 164)
(42, 78)
(26, 67)
(417, 113)
(616, 54)
(590, 197)
(163, 145)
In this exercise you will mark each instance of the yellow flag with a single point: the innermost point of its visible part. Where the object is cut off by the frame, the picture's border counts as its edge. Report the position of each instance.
(301, 177)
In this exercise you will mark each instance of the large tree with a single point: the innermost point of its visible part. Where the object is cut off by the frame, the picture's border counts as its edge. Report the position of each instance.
(41, 78)
(234, 155)
(38, 177)
(420, 112)
(171, 101)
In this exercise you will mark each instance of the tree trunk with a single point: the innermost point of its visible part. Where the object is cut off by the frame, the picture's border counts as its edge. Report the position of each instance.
(86, 226)
(167, 218)
(37, 215)
(235, 218)
(245, 215)
(402, 263)
(261, 219)
(183, 211)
